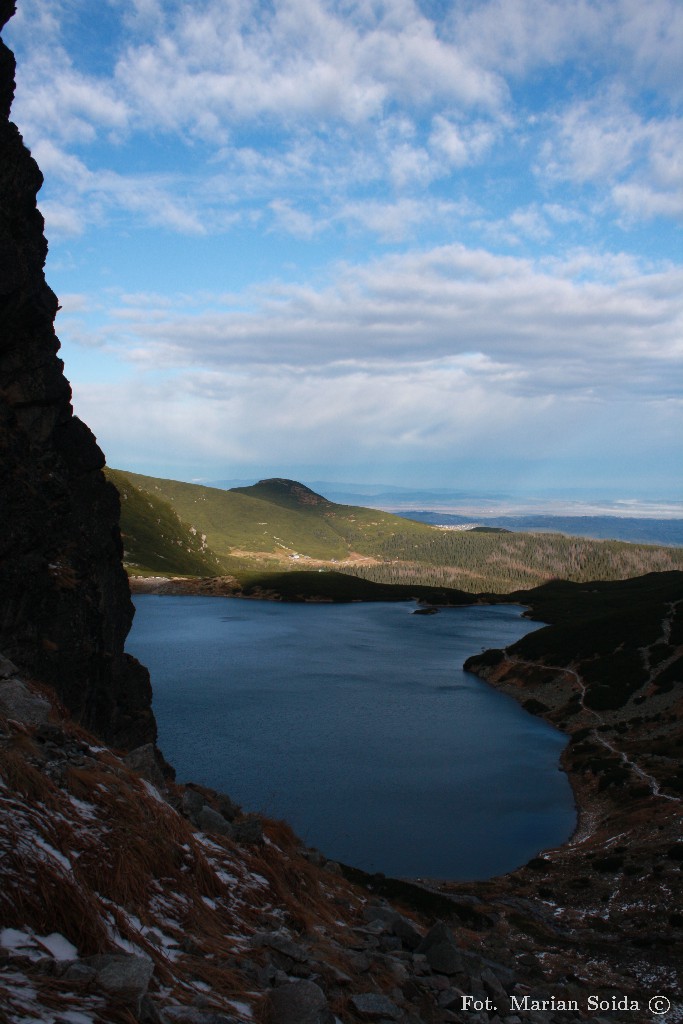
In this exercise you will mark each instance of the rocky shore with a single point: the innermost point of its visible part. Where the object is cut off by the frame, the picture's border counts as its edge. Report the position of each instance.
(128, 897)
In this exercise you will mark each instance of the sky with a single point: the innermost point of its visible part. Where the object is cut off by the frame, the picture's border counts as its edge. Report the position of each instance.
(430, 244)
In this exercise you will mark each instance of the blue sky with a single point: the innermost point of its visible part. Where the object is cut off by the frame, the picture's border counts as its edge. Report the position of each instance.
(425, 243)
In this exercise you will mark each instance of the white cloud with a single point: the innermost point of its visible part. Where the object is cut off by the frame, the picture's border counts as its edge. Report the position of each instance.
(596, 141)
(641, 202)
(396, 221)
(571, 328)
(432, 413)
(90, 197)
(462, 145)
(295, 222)
(306, 60)
(639, 44)
(638, 160)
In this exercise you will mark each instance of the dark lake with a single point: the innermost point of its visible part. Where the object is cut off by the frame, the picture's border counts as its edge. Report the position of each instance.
(356, 724)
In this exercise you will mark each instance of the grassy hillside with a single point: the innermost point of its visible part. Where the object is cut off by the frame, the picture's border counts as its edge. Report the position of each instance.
(279, 525)
(155, 539)
(275, 520)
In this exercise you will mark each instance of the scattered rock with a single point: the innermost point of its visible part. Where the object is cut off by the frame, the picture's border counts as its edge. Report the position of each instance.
(76, 970)
(191, 805)
(227, 807)
(21, 704)
(437, 933)
(280, 942)
(441, 951)
(248, 830)
(192, 1015)
(143, 760)
(209, 820)
(374, 1006)
(300, 1002)
(7, 668)
(492, 985)
(125, 975)
(395, 924)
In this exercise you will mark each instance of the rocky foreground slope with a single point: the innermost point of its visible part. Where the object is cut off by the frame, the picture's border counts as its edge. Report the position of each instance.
(128, 898)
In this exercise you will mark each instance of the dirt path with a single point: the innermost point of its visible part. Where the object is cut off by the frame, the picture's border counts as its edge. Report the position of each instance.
(645, 776)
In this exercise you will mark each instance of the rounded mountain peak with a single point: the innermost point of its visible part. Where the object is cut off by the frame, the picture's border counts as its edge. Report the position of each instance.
(289, 493)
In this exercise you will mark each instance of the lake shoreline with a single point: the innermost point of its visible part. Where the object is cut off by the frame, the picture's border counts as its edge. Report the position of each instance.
(599, 905)
(475, 791)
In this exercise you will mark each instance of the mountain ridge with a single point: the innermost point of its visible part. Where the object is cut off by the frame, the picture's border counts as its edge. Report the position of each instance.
(281, 525)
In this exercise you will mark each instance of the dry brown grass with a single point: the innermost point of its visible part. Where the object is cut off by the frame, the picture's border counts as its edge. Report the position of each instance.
(24, 778)
(135, 865)
(38, 897)
(144, 841)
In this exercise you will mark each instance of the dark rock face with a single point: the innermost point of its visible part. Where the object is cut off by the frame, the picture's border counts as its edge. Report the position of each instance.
(65, 607)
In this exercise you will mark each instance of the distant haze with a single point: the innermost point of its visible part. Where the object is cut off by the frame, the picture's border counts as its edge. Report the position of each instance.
(484, 505)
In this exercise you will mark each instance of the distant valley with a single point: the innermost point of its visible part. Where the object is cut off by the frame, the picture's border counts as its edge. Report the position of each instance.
(636, 529)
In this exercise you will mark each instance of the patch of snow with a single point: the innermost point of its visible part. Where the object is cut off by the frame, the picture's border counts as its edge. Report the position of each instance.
(224, 877)
(12, 938)
(259, 879)
(74, 1017)
(60, 947)
(87, 810)
(204, 840)
(118, 939)
(153, 792)
(55, 854)
(242, 1008)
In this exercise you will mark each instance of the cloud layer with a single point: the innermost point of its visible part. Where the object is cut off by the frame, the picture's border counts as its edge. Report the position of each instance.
(325, 227)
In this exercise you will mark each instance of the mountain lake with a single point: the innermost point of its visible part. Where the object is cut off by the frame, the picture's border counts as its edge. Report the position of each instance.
(356, 724)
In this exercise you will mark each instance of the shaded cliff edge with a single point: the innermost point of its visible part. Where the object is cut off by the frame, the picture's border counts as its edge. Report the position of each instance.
(65, 607)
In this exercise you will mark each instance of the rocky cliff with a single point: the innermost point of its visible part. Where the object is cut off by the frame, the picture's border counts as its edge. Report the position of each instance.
(65, 609)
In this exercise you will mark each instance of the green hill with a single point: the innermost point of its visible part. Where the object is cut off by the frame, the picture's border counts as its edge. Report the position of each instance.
(155, 539)
(274, 521)
(280, 525)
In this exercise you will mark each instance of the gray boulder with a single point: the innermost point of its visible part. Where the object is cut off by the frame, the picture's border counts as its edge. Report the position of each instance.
(76, 970)
(191, 805)
(300, 1002)
(143, 760)
(441, 950)
(192, 1015)
(375, 1006)
(395, 924)
(445, 958)
(248, 830)
(209, 820)
(21, 704)
(227, 807)
(125, 975)
(280, 942)
(438, 933)
(7, 668)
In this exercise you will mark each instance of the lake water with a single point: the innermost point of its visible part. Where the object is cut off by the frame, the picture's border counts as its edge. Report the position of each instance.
(357, 725)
